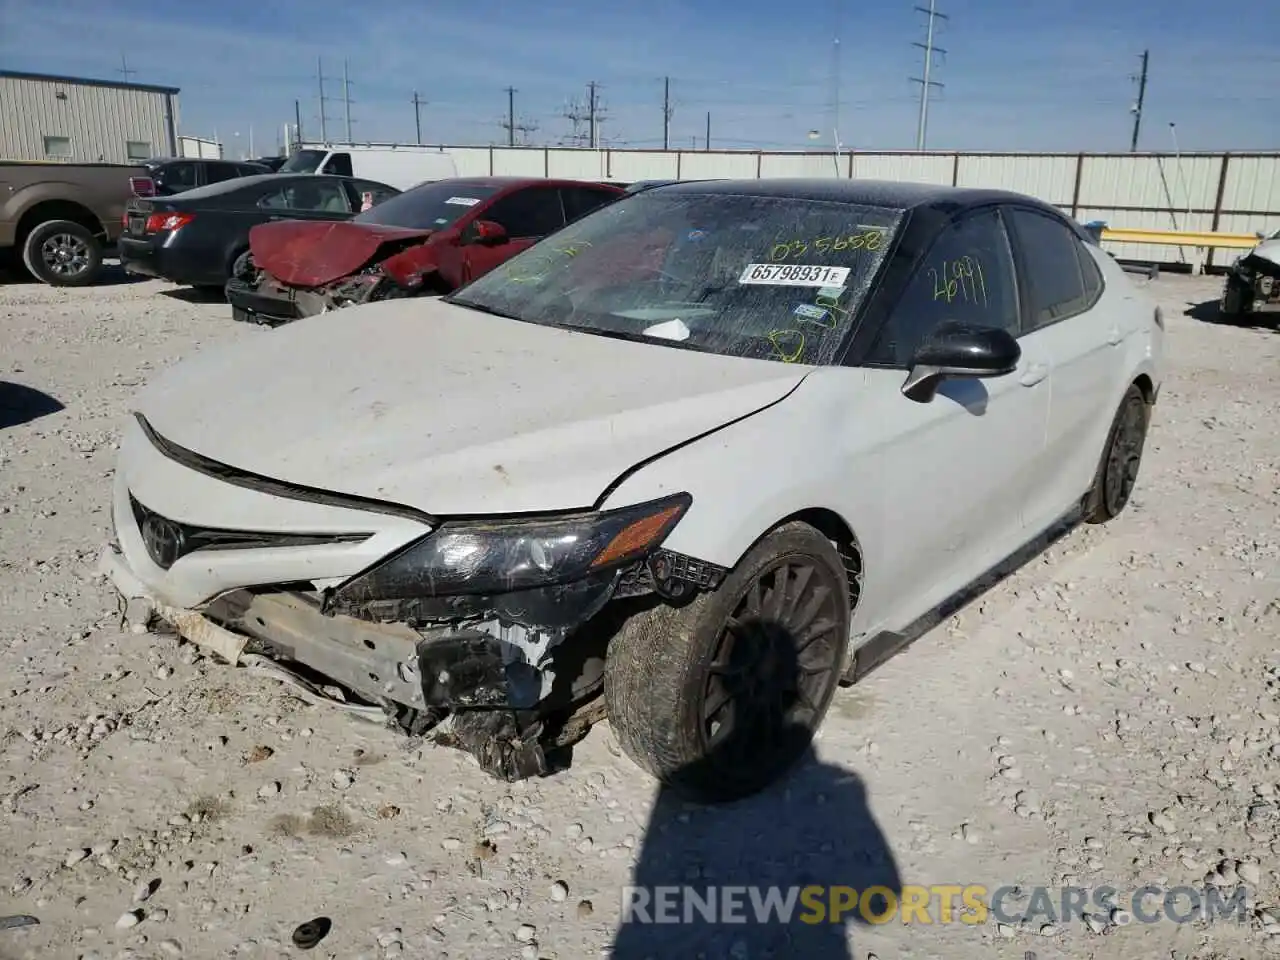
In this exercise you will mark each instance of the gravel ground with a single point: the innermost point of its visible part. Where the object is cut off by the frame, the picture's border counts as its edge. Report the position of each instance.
(1106, 716)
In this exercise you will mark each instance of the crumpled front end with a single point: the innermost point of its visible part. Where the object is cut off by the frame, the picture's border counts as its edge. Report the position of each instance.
(489, 634)
(258, 297)
(1252, 283)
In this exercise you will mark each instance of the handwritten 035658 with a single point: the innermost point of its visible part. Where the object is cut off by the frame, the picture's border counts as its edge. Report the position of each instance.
(867, 239)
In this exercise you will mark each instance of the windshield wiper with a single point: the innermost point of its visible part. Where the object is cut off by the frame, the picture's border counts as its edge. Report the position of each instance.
(472, 305)
(630, 336)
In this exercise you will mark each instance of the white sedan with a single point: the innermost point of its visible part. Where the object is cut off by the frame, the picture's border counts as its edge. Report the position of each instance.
(692, 462)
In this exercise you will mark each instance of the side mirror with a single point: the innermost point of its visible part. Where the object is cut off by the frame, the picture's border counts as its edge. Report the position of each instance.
(957, 349)
(485, 232)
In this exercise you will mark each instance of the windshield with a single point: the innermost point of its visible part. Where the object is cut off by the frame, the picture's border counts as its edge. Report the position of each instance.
(429, 206)
(765, 277)
(304, 161)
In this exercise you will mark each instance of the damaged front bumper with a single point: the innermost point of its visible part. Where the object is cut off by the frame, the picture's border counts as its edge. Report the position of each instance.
(496, 690)
(271, 307)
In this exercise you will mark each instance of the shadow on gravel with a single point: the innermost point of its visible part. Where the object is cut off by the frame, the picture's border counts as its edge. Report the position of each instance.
(811, 828)
(113, 275)
(1208, 312)
(196, 294)
(21, 404)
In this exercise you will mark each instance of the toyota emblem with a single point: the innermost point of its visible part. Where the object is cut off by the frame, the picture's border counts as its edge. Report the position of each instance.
(163, 539)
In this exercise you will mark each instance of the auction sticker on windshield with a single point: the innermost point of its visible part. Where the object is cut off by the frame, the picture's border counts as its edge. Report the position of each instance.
(793, 275)
(463, 201)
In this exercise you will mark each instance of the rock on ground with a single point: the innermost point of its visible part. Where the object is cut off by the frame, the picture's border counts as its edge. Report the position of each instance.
(1105, 716)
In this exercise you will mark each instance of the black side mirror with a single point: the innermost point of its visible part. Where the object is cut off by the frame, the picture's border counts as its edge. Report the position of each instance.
(957, 349)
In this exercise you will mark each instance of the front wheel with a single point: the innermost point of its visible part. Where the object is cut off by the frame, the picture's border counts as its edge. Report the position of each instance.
(63, 253)
(719, 698)
(1121, 458)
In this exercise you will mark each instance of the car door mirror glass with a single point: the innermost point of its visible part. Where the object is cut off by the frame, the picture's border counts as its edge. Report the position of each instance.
(956, 349)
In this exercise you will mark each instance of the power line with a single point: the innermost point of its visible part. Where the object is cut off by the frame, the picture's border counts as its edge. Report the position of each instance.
(124, 68)
(591, 115)
(1137, 107)
(925, 83)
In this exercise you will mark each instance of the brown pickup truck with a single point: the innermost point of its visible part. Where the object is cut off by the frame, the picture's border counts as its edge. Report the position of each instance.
(60, 218)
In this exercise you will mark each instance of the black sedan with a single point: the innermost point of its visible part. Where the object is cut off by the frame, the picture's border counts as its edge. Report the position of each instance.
(194, 238)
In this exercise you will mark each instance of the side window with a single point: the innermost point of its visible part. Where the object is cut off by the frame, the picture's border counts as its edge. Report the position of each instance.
(358, 188)
(1052, 266)
(579, 201)
(967, 275)
(323, 195)
(1091, 274)
(179, 176)
(339, 165)
(534, 212)
(217, 172)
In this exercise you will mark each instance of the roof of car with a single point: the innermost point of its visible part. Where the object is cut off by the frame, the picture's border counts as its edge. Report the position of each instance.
(894, 194)
(500, 182)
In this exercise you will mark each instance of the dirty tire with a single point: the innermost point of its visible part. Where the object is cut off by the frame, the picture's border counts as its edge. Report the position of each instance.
(1121, 458)
(1231, 306)
(672, 673)
(62, 253)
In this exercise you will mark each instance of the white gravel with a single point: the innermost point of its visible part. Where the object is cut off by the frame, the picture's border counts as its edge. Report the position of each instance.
(1106, 716)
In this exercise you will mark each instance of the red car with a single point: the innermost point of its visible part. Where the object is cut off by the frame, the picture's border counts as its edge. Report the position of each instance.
(426, 241)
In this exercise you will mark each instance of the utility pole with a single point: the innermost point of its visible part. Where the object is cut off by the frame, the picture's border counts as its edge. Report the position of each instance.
(708, 146)
(346, 95)
(666, 113)
(417, 116)
(1137, 107)
(124, 68)
(511, 116)
(297, 119)
(925, 83)
(324, 128)
(592, 118)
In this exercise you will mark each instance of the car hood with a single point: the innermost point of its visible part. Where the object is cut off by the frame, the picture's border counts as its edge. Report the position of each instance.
(309, 253)
(448, 410)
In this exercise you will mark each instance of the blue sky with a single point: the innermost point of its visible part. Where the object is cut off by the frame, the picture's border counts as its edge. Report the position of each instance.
(1030, 75)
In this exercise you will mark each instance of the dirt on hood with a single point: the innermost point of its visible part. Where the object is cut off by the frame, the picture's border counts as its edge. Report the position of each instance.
(306, 253)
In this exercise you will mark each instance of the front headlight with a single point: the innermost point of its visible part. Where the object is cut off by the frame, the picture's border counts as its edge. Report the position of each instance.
(502, 556)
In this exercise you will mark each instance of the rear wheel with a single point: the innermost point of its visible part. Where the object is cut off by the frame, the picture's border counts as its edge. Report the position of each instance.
(63, 253)
(719, 698)
(1121, 458)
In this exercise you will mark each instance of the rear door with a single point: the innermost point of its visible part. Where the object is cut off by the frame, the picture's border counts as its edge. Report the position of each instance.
(1063, 312)
(527, 214)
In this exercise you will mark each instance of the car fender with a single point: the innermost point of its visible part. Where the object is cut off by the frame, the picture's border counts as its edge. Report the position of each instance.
(752, 475)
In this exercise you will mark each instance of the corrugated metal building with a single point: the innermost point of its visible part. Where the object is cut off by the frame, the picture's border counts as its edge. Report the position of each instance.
(73, 119)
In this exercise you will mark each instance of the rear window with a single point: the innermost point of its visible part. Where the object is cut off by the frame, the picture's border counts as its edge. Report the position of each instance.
(304, 161)
(430, 206)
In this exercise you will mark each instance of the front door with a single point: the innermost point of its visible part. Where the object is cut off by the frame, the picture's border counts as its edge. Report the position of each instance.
(527, 215)
(956, 469)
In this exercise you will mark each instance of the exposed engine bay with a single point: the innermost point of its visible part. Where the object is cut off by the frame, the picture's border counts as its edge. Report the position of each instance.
(1253, 282)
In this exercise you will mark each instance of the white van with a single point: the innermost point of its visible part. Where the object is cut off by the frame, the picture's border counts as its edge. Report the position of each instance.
(399, 166)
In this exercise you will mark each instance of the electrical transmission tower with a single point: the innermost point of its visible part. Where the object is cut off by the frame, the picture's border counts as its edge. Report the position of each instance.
(668, 111)
(346, 96)
(511, 126)
(324, 118)
(591, 114)
(124, 68)
(926, 84)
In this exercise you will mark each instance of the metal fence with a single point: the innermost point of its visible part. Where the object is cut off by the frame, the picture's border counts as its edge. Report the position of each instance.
(1221, 192)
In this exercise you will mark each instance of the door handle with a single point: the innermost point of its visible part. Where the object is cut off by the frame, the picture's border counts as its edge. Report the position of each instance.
(1035, 373)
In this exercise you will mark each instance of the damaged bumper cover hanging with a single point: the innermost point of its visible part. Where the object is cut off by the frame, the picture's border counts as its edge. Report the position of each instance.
(485, 626)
